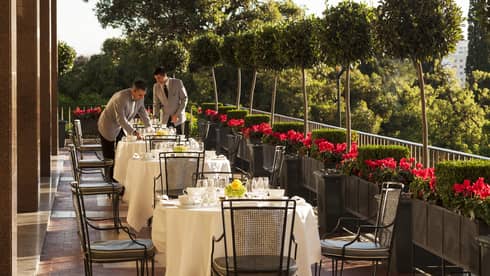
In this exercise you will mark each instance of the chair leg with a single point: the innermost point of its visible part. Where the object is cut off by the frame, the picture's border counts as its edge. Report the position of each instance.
(341, 267)
(137, 268)
(153, 266)
(375, 267)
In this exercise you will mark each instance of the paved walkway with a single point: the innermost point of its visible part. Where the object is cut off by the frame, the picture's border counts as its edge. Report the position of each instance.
(61, 253)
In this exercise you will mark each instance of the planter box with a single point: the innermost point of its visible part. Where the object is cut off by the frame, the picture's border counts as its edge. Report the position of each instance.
(309, 167)
(470, 248)
(210, 141)
(435, 229)
(290, 178)
(221, 139)
(451, 237)
(360, 199)
(256, 167)
(419, 222)
(89, 127)
(484, 243)
(233, 146)
(402, 256)
(268, 155)
(330, 199)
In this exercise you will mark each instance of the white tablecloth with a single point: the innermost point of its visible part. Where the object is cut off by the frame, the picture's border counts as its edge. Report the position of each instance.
(138, 182)
(184, 235)
(124, 152)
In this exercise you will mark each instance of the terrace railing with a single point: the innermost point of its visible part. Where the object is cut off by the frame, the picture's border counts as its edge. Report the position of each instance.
(436, 154)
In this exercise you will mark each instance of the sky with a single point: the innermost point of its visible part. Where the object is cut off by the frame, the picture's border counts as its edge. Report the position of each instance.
(79, 27)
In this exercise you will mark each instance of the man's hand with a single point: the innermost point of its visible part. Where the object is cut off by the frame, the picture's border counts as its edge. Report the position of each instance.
(175, 118)
(138, 135)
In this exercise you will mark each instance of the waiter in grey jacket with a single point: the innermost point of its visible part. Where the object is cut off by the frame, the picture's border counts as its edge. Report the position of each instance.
(114, 120)
(170, 94)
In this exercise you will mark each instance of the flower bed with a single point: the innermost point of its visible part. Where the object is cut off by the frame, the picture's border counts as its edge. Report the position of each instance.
(88, 120)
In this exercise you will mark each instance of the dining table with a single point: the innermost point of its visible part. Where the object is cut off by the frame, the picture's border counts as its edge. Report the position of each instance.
(184, 236)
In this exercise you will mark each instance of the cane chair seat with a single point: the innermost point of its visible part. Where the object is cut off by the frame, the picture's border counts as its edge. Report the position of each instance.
(100, 188)
(90, 147)
(267, 265)
(94, 163)
(356, 250)
(112, 250)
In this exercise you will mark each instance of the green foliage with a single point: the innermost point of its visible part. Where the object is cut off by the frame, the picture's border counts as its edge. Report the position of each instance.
(421, 30)
(173, 56)
(478, 38)
(347, 33)
(325, 113)
(225, 109)
(206, 106)
(376, 152)
(364, 119)
(332, 135)
(66, 58)
(271, 48)
(236, 114)
(205, 50)
(246, 52)
(228, 50)
(302, 45)
(450, 172)
(286, 126)
(256, 119)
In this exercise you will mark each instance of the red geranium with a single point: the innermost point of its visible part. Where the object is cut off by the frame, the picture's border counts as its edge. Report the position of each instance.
(87, 113)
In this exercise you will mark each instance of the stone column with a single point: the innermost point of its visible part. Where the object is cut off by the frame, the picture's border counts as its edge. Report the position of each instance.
(45, 85)
(8, 138)
(28, 104)
(54, 79)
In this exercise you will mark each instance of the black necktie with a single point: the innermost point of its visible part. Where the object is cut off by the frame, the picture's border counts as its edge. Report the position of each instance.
(165, 89)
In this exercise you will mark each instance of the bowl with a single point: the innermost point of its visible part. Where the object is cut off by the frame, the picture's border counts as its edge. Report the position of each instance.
(276, 193)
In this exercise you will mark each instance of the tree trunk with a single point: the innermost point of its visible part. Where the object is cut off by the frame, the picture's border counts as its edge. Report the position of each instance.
(348, 126)
(339, 112)
(273, 103)
(252, 90)
(305, 99)
(425, 128)
(239, 88)
(215, 89)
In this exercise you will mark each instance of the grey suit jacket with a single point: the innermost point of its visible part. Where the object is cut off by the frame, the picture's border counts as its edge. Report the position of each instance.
(173, 105)
(117, 114)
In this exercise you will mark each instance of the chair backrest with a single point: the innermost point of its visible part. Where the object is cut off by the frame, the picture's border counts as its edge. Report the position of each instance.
(79, 206)
(74, 163)
(178, 168)
(151, 141)
(277, 164)
(77, 133)
(387, 210)
(258, 228)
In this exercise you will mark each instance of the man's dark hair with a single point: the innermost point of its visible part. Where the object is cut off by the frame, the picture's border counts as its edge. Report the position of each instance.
(160, 71)
(139, 84)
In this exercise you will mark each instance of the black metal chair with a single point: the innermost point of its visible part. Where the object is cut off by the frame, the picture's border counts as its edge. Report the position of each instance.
(190, 163)
(109, 251)
(258, 238)
(152, 140)
(97, 188)
(361, 246)
(80, 145)
(276, 168)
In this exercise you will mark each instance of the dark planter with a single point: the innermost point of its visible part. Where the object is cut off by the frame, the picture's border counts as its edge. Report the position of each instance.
(221, 138)
(61, 133)
(451, 236)
(255, 162)
(89, 127)
(470, 247)
(233, 146)
(254, 140)
(268, 155)
(330, 199)
(309, 166)
(291, 177)
(207, 130)
(419, 222)
(435, 229)
(360, 199)
(484, 243)
(352, 194)
(402, 257)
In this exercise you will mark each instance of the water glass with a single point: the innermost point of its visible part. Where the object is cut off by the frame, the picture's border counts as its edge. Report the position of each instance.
(202, 183)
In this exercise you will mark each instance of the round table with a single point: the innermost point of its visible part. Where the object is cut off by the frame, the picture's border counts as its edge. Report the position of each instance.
(138, 183)
(184, 235)
(124, 152)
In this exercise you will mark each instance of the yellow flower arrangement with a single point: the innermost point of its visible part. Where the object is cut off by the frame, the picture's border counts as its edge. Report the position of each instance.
(235, 189)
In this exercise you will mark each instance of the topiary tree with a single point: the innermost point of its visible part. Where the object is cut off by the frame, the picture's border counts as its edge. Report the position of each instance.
(173, 55)
(272, 55)
(229, 56)
(303, 52)
(66, 57)
(205, 52)
(347, 37)
(246, 54)
(422, 31)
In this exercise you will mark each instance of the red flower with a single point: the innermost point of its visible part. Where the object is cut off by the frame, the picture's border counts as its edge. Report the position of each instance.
(236, 122)
(210, 112)
(479, 189)
(222, 118)
(199, 110)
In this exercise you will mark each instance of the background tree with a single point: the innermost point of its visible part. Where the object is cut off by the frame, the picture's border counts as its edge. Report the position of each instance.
(66, 57)
(303, 52)
(246, 54)
(205, 52)
(347, 37)
(271, 53)
(420, 30)
(229, 56)
(173, 55)
(478, 37)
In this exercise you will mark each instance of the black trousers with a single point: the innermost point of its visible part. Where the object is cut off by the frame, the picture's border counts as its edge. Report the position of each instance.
(178, 129)
(108, 151)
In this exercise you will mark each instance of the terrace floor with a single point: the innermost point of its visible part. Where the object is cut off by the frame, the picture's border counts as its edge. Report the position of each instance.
(53, 232)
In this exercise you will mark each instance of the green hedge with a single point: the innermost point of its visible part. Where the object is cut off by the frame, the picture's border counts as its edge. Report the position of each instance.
(237, 114)
(450, 172)
(375, 152)
(331, 135)
(206, 106)
(286, 126)
(256, 119)
(225, 109)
